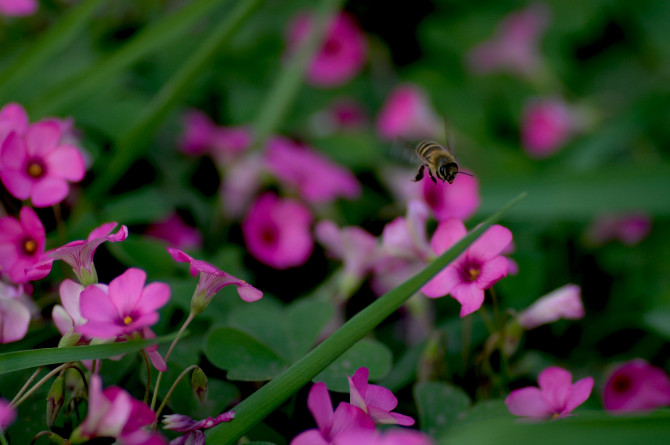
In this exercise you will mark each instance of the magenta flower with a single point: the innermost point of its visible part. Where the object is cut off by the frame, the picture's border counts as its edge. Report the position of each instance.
(176, 233)
(457, 200)
(564, 302)
(636, 386)
(240, 185)
(79, 254)
(198, 133)
(316, 178)
(547, 125)
(376, 401)
(353, 245)
(475, 270)
(212, 280)
(331, 424)
(407, 113)
(21, 244)
(277, 231)
(556, 397)
(193, 428)
(630, 229)
(515, 46)
(13, 118)
(34, 165)
(18, 8)
(7, 414)
(14, 313)
(343, 114)
(123, 307)
(388, 437)
(342, 53)
(114, 413)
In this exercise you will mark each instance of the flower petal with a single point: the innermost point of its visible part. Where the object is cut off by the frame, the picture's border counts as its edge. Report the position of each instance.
(13, 152)
(18, 184)
(319, 404)
(448, 232)
(66, 162)
(528, 402)
(49, 191)
(579, 392)
(154, 296)
(492, 271)
(491, 243)
(442, 283)
(42, 137)
(470, 296)
(126, 290)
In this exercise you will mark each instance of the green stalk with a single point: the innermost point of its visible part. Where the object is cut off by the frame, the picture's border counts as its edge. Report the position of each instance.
(137, 140)
(48, 44)
(150, 39)
(261, 403)
(290, 78)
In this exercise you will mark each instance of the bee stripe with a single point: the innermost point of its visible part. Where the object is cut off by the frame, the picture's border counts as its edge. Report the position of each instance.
(426, 148)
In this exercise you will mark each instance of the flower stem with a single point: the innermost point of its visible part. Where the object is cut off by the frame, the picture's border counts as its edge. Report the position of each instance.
(261, 403)
(172, 388)
(188, 321)
(26, 385)
(148, 385)
(28, 393)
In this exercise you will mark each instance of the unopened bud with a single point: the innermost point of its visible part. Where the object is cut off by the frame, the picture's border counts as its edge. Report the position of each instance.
(199, 384)
(55, 399)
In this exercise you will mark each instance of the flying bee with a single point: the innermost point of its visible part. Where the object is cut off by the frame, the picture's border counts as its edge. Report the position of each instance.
(440, 161)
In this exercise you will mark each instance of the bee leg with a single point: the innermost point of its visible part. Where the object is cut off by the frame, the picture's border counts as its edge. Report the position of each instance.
(419, 174)
(432, 177)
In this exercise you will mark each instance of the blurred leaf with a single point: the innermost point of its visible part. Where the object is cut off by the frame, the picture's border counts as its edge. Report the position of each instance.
(146, 253)
(659, 321)
(366, 353)
(569, 195)
(600, 428)
(141, 206)
(305, 320)
(244, 357)
(13, 361)
(439, 406)
(484, 410)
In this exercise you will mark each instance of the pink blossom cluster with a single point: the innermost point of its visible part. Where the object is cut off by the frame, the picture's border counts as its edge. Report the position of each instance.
(354, 422)
(36, 162)
(18, 8)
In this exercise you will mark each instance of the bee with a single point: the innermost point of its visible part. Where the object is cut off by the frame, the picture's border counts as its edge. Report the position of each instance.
(440, 161)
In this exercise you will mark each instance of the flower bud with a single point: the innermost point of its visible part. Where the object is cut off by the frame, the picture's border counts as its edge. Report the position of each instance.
(199, 384)
(55, 399)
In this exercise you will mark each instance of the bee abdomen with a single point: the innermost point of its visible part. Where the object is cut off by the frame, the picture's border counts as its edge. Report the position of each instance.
(426, 148)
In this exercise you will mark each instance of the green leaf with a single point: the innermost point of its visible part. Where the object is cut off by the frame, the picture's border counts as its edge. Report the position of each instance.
(138, 207)
(659, 321)
(146, 253)
(305, 320)
(368, 353)
(244, 357)
(439, 406)
(584, 429)
(253, 409)
(14, 361)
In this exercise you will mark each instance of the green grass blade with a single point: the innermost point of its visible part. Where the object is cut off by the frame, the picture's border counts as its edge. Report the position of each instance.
(47, 45)
(151, 38)
(253, 409)
(17, 360)
(136, 141)
(290, 78)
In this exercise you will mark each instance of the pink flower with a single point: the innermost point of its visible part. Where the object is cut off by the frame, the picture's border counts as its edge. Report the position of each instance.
(240, 185)
(179, 422)
(18, 8)
(198, 132)
(7, 414)
(14, 314)
(123, 307)
(277, 231)
(21, 244)
(564, 302)
(67, 317)
(343, 114)
(79, 254)
(114, 413)
(407, 114)
(342, 53)
(547, 125)
(376, 401)
(13, 118)
(34, 165)
(212, 280)
(629, 229)
(475, 270)
(556, 397)
(330, 425)
(176, 232)
(388, 437)
(636, 386)
(353, 245)
(457, 200)
(515, 46)
(316, 178)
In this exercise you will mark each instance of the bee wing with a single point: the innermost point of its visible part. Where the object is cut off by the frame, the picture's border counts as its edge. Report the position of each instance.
(448, 136)
(403, 151)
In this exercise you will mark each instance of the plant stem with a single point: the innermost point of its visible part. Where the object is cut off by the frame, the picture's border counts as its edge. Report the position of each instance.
(27, 384)
(28, 393)
(172, 388)
(148, 385)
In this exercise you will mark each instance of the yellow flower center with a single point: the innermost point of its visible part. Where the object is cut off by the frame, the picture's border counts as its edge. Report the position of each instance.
(35, 170)
(127, 320)
(29, 246)
(473, 273)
